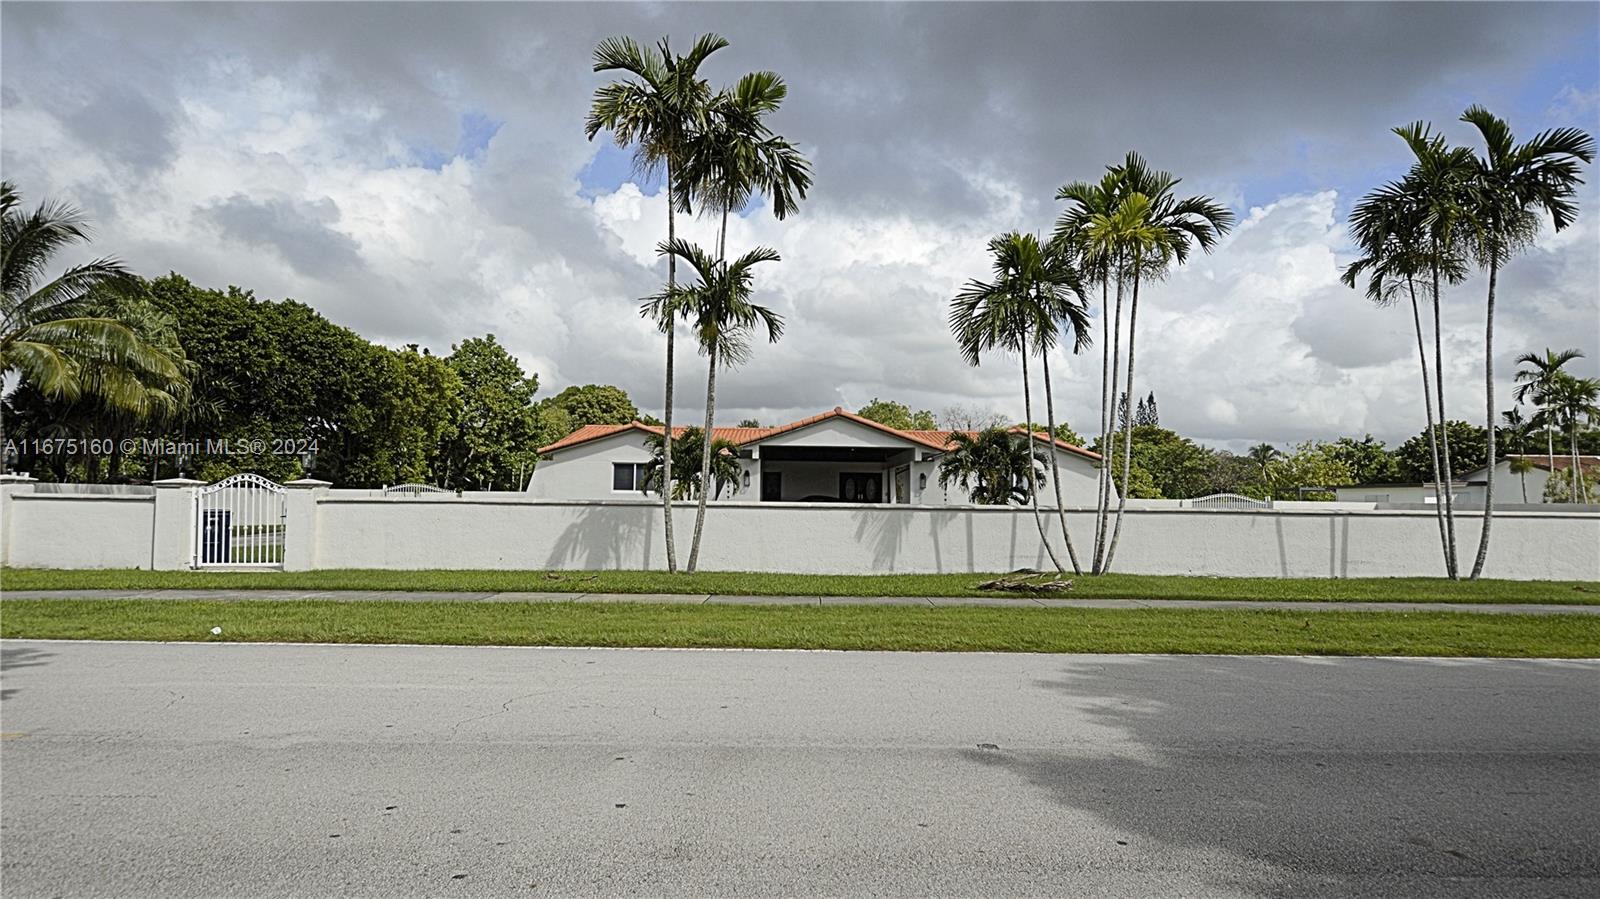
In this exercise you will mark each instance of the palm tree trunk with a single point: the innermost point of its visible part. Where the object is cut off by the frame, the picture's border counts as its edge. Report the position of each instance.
(1103, 471)
(1055, 466)
(1127, 425)
(705, 460)
(1448, 474)
(1433, 438)
(1105, 438)
(1033, 473)
(1488, 388)
(666, 417)
(1578, 487)
(1550, 446)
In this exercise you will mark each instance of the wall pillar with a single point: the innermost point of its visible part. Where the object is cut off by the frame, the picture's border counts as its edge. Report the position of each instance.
(300, 523)
(172, 540)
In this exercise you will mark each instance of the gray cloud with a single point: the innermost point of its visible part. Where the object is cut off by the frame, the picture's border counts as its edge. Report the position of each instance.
(298, 231)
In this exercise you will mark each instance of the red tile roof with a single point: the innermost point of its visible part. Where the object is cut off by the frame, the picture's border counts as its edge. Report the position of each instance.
(934, 440)
(1562, 462)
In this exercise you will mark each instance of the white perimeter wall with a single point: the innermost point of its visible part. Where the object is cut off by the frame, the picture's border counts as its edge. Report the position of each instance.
(352, 529)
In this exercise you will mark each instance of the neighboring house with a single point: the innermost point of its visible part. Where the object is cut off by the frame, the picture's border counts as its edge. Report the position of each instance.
(1508, 484)
(1399, 493)
(1468, 491)
(833, 457)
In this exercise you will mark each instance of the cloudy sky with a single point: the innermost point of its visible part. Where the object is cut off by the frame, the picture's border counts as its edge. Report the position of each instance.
(419, 173)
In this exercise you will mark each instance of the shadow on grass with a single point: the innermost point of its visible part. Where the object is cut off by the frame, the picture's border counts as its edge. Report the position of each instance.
(1351, 777)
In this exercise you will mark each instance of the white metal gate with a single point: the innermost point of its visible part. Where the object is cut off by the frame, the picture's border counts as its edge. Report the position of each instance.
(239, 523)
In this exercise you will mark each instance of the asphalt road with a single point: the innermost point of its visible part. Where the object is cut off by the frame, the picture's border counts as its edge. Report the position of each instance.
(223, 770)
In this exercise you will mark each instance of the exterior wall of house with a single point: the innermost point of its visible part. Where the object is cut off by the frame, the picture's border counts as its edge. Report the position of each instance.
(1402, 493)
(836, 433)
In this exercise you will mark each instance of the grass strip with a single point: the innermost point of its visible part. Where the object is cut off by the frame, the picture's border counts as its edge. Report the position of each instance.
(1111, 586)
(811, 627)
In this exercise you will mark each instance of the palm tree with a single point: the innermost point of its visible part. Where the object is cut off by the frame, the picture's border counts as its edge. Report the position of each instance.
(51, 333)
(1533, 385)
(1011, 313)
(720, 312)
(993, 466)
(1084, 227)
(655, 111)
(1510, 184)
(725, 468)
(1263, 454)
(1517, 429)
(1059, 300)
(733, 155)
(1436, 185)
(1389, 227)
(1569, 401)
(1173, 227)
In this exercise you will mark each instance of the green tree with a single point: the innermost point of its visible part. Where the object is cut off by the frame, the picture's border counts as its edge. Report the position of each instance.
(54, 336)
(723, 318)
(1310, 465)
(898, 415)
(495, 437)
(1468, 452)
(1262, 454)
(1035, 293)
(994, 466)
(725, 469)
(1570, 406)
(593, 404)
(1369, 461)
(749, 423)
(1511, 184)
(654, 110)
(1237, 474)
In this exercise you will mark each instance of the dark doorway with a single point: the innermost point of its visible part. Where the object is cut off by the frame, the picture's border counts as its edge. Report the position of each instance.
(771, 486)
(861, 488)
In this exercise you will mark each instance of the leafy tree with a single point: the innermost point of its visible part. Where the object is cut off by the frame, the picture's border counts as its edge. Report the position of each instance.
(1237, 474)
(1535, 383)
(1571, 403)
(1311, 465)
(961, 417)
(725, 468)
(722, 316)
(54, 333)
(749, 423)
(1147, 414)
(1368, 460)
(1468, 452)
(654, 110)
(1063, 432)
(496, 433)
(1510, 185)
(1262, 454)
(995, 467)
(899, 415)
(592, 404)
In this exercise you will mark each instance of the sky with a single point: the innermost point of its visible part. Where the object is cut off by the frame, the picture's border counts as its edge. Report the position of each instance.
(420, 173)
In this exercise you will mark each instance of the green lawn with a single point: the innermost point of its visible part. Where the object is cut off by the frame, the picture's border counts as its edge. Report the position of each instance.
(1114, 586)
(811, 627)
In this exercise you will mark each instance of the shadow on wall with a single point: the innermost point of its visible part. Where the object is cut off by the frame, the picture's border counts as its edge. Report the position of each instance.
(616, 537)
(1319, 803)
(20, 657)
(886, 532)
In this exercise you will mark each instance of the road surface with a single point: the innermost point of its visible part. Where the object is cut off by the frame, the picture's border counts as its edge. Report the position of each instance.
(266, 770)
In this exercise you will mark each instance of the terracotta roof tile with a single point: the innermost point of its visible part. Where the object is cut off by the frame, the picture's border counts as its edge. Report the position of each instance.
(935, 440)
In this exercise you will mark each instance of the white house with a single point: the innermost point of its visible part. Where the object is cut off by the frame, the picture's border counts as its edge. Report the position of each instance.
(833, 457)
(1469, 490)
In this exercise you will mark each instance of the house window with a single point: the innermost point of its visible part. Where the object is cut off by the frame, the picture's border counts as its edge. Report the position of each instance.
(629, 476)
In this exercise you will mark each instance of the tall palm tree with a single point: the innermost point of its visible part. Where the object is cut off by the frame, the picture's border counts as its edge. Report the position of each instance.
(1175, 227)
(722, 317)
(655, 111)
(1083, 228)
(1012, 313)
(1059, 302)
(733, 155)
(1436, 183)
(1263, 454)
(1511, 184)
(1389, 227)
(1572, 400)
(1533, 384)
(51, 332)
(993, 466)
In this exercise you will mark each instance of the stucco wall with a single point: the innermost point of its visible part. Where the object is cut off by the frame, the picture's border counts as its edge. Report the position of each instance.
(352, 529)
(76, 530)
